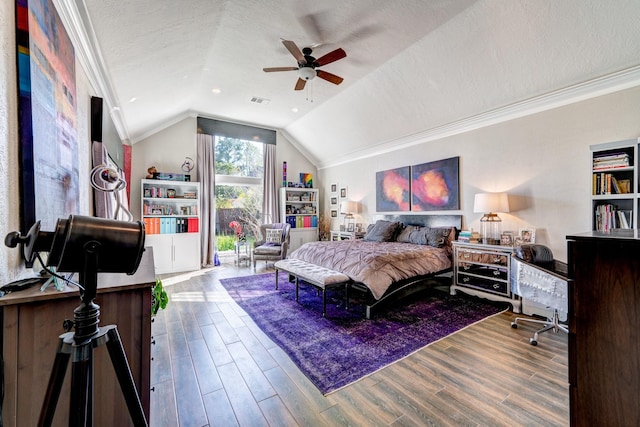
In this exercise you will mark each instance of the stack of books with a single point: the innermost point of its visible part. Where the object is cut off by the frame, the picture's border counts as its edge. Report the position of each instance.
(469, 236)
(610, 160)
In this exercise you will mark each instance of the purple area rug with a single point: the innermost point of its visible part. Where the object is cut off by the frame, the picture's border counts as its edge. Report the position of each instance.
(344, 347)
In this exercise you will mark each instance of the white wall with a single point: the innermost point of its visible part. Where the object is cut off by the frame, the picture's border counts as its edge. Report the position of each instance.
(542, 161)
(167, 149)
(11, 266)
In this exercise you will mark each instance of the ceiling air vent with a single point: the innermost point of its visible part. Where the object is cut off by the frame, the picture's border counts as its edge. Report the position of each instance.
(258, 100)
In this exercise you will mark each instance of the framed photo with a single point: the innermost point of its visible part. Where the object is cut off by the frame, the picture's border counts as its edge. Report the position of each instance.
(506, 238)
(350, 227)
(334, 213)
(343, 192)
(334, 188)
(334, 200)
(528, 235)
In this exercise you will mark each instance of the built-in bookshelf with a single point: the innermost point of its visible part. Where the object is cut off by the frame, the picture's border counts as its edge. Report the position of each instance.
(614, 187)
(171, 214)
(299, 208)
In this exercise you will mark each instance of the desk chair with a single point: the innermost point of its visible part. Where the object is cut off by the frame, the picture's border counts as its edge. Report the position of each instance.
(536, 276)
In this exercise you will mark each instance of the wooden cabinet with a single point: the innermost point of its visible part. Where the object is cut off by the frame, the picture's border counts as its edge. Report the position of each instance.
(171, 213)
(31, 324)
(604, 329)
(299, 208)
(615, 194)
(484, 271)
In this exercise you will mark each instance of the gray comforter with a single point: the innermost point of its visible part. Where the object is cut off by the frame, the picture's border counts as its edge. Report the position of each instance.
(375, 264)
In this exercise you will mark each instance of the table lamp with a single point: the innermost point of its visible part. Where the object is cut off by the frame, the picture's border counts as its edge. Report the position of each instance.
(490, 223)
(348, 208)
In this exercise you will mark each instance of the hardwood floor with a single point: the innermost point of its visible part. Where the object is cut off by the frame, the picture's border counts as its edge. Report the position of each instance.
(213, 367)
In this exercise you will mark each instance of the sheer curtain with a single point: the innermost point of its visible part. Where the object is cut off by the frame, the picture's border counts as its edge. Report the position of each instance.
(207, 175)
(270, 211)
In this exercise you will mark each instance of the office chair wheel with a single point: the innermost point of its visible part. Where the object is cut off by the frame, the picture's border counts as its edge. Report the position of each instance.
(533, 342)
(514, 325)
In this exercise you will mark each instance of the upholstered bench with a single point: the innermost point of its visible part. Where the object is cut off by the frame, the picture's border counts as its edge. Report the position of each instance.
(320, 277)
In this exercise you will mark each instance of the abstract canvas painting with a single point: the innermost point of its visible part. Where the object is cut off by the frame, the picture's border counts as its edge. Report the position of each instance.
(435, 186)
(393, 191)
(47, 111)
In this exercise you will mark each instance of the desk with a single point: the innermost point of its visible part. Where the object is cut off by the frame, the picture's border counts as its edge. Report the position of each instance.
(31, 324)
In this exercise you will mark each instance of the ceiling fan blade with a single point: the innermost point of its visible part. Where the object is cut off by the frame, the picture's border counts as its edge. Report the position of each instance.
(300, 84)
(295, 51)
(336, 80)
(330, 57)
(272, 69)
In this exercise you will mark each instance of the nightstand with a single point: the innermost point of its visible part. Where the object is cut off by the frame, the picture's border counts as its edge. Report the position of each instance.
(484, 271)
(345, 235)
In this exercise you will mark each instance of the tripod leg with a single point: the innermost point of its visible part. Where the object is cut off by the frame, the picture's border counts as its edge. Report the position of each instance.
(56, 379)
(123, 372)
(81, 401)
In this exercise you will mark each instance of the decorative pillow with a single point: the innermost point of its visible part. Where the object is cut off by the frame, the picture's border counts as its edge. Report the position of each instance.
(437, 237)
(383, 231)
(274, 235)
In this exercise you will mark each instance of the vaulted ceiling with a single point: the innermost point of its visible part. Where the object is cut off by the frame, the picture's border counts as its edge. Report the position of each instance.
(415, 69)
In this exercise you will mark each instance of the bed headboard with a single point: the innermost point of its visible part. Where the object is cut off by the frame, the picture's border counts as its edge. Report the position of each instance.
(425, 220)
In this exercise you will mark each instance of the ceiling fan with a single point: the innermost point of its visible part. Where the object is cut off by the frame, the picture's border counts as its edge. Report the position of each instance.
(307, 64)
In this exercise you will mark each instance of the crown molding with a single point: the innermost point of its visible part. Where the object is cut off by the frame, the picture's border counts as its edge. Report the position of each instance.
(599, 86)
(76, 21)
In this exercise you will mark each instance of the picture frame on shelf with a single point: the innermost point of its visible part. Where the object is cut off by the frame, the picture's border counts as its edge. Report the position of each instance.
(527, 235)
(350, 227)
(506, 238)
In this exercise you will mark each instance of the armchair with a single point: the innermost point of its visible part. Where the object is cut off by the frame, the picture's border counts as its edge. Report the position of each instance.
(536, 276)
(273, 245)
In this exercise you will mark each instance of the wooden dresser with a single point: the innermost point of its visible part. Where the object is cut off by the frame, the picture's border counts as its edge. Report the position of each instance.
(604, 329)
(31, 324)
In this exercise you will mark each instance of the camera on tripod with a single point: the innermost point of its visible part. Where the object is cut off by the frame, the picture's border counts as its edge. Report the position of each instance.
(86, 245)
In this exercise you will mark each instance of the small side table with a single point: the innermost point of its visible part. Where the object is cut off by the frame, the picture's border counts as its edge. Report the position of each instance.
(241, 249)
(484, 271)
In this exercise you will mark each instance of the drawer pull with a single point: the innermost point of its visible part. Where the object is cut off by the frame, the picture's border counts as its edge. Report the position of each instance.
(466, 267)
(497, 259)
(466, 255)
(496, 272)
(496, 286)
(465, 279)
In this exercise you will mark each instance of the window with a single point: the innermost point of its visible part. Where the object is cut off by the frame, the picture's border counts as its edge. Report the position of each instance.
(239, 172)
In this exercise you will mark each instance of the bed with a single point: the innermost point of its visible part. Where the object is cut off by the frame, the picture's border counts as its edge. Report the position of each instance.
(390, 264)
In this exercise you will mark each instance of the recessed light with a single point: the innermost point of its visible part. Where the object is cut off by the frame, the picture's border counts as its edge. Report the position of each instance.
(116, 108)
(295, 109)
(134, 99)
(216, 90)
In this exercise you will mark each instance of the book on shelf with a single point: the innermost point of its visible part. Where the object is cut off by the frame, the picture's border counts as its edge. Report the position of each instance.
(608, 217)
(611, 160)
(606, 183)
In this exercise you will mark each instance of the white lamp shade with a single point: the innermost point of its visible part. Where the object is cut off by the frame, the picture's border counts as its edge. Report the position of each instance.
(348, 207)
(491, 202)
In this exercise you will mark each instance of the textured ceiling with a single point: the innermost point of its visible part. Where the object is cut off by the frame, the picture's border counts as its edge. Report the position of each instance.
(411, 65)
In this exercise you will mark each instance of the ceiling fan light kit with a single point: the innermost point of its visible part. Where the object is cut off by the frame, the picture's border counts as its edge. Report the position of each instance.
(307, 73)
(307, 64)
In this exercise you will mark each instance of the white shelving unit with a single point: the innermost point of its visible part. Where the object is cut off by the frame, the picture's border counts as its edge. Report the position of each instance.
(614, 195)
(171, 213)
(299, 207)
